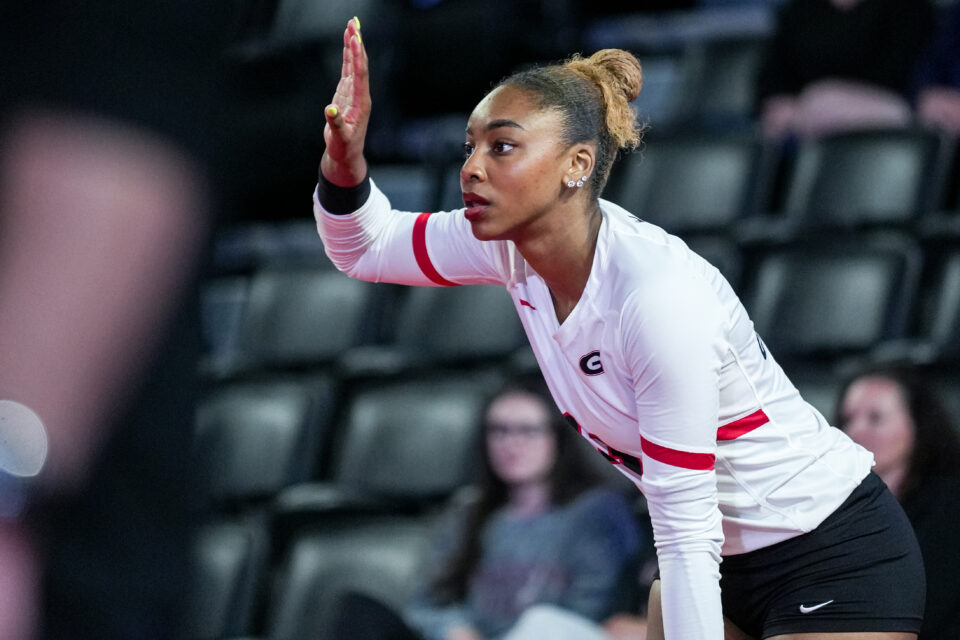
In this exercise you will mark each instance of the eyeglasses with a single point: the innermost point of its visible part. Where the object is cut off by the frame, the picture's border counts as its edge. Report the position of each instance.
(500, 431)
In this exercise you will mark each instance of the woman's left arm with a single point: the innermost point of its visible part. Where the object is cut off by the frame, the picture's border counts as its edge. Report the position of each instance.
(673, 341)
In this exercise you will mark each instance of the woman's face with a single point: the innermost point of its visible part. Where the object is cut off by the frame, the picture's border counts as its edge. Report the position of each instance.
(875, 415)
(520, 442)
(516, 168)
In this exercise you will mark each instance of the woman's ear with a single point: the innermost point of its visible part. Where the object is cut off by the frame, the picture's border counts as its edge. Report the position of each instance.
(581, 164)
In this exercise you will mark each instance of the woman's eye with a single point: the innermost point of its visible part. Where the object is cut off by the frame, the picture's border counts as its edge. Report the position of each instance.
(467, 149)
(503, 147)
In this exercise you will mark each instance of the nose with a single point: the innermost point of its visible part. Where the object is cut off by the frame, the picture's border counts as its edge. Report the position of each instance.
(472, 171)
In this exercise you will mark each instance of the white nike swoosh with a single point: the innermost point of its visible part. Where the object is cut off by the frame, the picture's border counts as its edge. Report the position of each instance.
(806, 609)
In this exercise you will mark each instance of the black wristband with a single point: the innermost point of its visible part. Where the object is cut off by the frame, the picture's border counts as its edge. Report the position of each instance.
(342, 200)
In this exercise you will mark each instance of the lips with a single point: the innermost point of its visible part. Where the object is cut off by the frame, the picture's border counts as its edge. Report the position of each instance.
(475, 205)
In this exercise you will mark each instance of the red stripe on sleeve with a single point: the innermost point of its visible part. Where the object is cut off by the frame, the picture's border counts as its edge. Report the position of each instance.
(676, 458)
(744, 425)
(420, 252)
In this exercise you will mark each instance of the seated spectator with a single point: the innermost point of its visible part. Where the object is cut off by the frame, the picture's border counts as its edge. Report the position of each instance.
(938, 77)
(893, 413)
(536, 534)
(841, 64)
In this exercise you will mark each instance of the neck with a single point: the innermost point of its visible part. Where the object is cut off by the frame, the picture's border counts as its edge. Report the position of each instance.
(529, 498)
(562, 254)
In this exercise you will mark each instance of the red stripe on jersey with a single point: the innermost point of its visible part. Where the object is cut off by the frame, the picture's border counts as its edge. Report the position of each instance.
(676, 458)
(420, 252)
(744, 425)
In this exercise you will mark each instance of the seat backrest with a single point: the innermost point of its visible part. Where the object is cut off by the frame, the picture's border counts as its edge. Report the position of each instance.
(691, 183)
(459, 324)
(883, 176)
(302, 316)
(229, 562)
(377, 557)
(720, 80)
(257, 438)
(243, 248)
(451, 195)
(946, 383)
(941, 322)
(663, 79)
(411, 439)
(829, 298)
(299, 20)
(222, 301)
(722, 253)
(410, 187)
(819, 385)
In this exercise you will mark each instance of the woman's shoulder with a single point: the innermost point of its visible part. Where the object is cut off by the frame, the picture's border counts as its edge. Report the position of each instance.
(643, 252)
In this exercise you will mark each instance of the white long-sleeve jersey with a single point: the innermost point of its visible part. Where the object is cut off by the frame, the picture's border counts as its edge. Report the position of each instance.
(661, 369)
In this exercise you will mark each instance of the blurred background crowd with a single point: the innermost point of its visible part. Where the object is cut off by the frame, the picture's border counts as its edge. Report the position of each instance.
(315, 426)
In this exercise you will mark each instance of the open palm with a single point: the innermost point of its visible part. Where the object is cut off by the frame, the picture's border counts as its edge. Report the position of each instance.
(348, 114)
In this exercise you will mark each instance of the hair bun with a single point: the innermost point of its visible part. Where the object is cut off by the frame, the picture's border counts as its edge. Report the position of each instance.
(618, 75)
(623, 68)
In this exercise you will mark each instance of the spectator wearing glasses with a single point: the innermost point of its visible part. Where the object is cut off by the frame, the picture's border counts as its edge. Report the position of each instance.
(537, 533)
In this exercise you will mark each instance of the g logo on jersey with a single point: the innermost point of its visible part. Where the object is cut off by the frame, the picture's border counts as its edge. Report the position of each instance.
(590, 364)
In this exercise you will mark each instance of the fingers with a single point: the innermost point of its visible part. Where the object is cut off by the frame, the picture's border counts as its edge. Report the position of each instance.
(334, 116)
(360, 94)
(343, 109)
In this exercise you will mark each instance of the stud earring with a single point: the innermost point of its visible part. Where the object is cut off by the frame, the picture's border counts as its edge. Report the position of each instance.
(571, 184)
(582, 181)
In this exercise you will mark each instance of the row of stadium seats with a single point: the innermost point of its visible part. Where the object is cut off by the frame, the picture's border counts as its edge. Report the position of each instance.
(758, 191)
(316, 487)
(241, 592)
(326, 485)
(823, 299)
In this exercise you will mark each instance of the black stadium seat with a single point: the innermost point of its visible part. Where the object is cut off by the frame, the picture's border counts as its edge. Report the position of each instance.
(721, 252)
(720, 81)
(451, 327)
(229, 571)
(410, 187)
(256, 438)
(942, 326)
(402, 445)
(305, 317)
(935, 339)
(866, 178)
(829, 299)
(375, 556)
(691, 184)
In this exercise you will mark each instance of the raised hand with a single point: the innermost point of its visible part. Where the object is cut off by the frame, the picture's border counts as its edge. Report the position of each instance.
(348, 114)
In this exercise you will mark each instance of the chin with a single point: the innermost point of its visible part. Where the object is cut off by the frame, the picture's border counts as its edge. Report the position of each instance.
(484, 231)
(480, 232)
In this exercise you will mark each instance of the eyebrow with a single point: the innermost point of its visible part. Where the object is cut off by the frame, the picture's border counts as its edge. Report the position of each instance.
(496, 124)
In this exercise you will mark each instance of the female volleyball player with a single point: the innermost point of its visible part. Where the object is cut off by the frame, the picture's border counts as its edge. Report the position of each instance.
(647, 351)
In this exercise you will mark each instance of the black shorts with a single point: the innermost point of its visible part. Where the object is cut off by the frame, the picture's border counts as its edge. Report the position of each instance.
(860, 570)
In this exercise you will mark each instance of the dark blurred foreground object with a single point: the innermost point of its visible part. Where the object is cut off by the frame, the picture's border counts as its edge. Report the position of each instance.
(108, 141)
